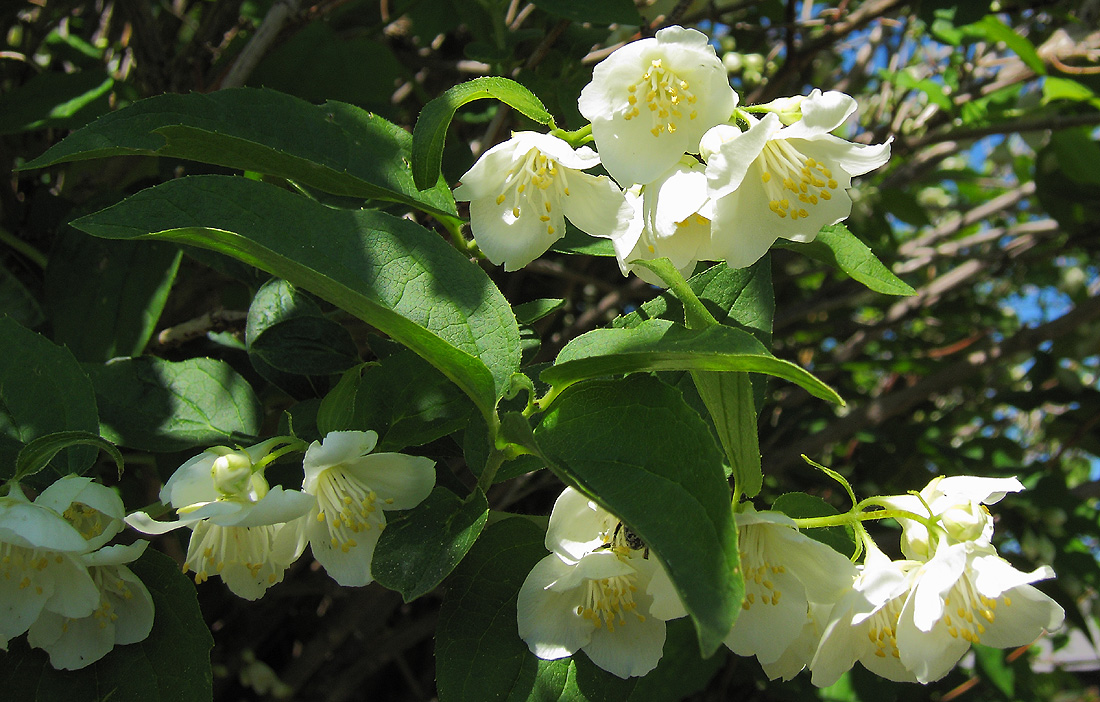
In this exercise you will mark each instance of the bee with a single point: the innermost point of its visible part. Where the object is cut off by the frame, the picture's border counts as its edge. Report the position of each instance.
(628, 539)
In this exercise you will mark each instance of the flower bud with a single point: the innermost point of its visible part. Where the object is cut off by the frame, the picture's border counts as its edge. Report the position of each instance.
(232, 472)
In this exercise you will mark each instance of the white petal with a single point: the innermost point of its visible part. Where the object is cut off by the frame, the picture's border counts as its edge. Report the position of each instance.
(276, 507)
(930, 652)
(485, 177)
(824, 573)
(349, 568)
(1030, 614)
(821, 113)
(575, 525)
(116, 554)
(192, 482)
(33, 526)
(633, 649)
(509, 240)
(337, 447)
(596, 206)
(72, 644)
(742, 230)
(764, 629)
(401, 481)
(732, 152)
(667, 604)
(547, 619)
(934, 580)
(985, 490)
(147, 525)
(135, 613)
(841, 641)
(993, 575)
(74, 594)
(852, 159)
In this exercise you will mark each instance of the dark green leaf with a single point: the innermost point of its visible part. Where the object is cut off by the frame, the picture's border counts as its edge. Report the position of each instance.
(838, 247)
(335, 147)
(799, 505)
(533, 311)
(577, 242)
(42, 390)
(408, 403)
(306, 346)
(337, 410)
(391, 273)
(478, 653)
(658, 344)
(430, 131)
(416, 552)
(105, 297)
(155, 405)
(636, 448)
(277, 301)
(39, 452)
(55, 99)
(172, 665)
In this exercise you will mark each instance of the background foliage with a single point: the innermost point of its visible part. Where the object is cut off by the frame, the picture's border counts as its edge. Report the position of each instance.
(988, 209)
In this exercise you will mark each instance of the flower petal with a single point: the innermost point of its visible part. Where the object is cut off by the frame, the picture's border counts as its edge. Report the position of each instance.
(547, 618)
(401, 481)
(276, 507)
(575, 525)
(350, 568)
(633, 649)
(335, 448)
(1030, 614)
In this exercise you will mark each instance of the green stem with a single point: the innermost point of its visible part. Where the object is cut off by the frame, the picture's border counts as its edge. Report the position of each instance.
(24, 248)
(696, 315)
(859, 516)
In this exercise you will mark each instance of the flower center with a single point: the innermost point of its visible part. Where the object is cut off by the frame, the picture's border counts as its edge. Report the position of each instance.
(89, 521)
(968, 602)
(664, 93)
(535, 182)
(608, 600)
(213, 547)
(24, 565)
(789, 175)
(758, 571)
(883, 630)
(347, 506)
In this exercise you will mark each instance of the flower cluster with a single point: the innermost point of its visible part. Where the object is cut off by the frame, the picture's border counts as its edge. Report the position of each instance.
(248, 533)
(61, 584)
(805, 604)
(704, 179)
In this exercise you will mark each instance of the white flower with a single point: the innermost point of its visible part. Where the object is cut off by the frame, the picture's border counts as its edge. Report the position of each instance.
(912, 620)
(784, 572)
(801, 651)
(776, 181)
(863, 623)
(968, 594)
(123, 615)
(94, 510)
(958, 504)
(651, 101)
(240, 524)
(40, 567)
(599, 591)
(521, 192)
(667, 222)
(352, 487)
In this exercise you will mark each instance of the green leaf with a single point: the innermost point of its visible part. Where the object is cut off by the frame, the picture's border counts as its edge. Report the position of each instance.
(478, 653)
(389, 272)
(729, 400)
(577, 242)
(658, 344)
(1058, 88)
(799, 505)
(407, 402)
(105, 297)
(992, 29)
(335, 147)
(430, 132)
(838, 247)
(635, 447)
(416, 552)
(306, 346)
(38, 453)
(171, 665)
(337, 410)
(603, 12)
(151, 404)
(42, 390)
(995, 669)
(533, 311)
(276, 301)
